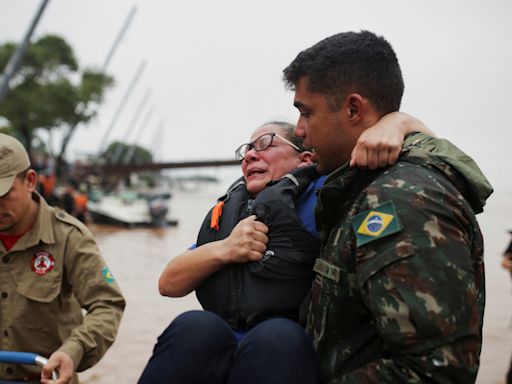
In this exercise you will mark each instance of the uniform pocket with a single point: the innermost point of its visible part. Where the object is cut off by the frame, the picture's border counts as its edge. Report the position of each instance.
(37, 306)
(43, 289)
(43, 292)
(38, 274)
(37, 303)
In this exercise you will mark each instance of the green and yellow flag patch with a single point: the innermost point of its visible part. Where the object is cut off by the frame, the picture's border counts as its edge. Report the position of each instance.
(376, 223)
(109, 278)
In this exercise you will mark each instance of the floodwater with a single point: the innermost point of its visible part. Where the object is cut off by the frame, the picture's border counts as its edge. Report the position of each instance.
(137, 256)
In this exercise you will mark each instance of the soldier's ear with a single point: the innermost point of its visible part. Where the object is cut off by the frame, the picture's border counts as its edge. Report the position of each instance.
(354, 106)
(31, 180)
(305, 158)
(358, 109)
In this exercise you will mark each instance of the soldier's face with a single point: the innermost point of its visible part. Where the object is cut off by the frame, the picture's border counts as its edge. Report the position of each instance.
(14, 205)
(324, 130)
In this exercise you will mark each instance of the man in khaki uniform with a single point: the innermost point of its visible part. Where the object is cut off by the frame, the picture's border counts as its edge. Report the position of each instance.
(57, 296)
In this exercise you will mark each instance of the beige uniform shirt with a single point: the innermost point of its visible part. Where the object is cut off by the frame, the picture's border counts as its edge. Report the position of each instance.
(56, 293)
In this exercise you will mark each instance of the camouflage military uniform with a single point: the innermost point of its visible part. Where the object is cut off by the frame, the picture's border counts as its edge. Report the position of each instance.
(399, 292)
(46, 278)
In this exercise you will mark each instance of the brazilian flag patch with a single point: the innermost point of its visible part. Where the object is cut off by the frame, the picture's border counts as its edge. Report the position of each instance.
(376, 223)
(109, 278)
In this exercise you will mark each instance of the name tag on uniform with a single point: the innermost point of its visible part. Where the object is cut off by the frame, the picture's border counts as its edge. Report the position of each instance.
(327, 270)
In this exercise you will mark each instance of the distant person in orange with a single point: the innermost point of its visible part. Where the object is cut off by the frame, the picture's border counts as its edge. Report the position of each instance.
(48, 182)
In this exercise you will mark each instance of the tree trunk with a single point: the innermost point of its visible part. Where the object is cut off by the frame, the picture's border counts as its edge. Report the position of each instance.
(59, 161)
(26, 140)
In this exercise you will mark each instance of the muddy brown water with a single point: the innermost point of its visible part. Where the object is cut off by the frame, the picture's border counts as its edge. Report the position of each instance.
(136, 257)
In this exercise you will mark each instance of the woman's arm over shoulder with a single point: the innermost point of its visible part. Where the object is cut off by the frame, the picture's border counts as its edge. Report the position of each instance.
(380, 145)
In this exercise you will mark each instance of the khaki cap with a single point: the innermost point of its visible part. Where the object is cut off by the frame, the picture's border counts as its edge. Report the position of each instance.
(13, 160)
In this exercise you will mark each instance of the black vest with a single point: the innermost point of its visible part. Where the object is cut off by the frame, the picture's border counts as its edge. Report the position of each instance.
(247, 293)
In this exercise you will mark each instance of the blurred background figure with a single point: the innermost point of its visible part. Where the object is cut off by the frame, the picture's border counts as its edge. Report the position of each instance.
(507, 264)
(68, 201)
(74, 201)
(507, 257)
(80, 199)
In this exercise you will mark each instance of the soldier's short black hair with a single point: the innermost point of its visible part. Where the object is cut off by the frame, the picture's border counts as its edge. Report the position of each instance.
(350, 62)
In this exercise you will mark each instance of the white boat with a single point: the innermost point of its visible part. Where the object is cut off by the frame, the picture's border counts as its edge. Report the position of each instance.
(132, 208)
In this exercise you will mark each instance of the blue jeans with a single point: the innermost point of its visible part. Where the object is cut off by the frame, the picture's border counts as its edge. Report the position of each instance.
(200, 347)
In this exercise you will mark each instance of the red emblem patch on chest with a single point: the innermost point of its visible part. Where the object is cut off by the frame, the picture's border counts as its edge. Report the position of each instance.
(42, 263)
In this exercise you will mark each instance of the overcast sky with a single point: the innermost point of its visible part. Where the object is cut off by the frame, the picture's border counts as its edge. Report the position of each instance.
(214, 67)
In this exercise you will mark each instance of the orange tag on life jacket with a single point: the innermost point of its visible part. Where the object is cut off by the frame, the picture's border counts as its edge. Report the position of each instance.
(216, 214)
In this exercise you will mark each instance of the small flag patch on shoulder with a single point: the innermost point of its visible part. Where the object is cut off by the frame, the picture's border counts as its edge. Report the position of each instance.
(109, 278)
(376, 223)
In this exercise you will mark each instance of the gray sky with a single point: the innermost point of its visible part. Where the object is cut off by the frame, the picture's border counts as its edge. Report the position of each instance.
(214, 67)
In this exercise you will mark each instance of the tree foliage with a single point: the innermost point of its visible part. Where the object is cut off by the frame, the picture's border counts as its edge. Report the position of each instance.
(121, 153)
(50, 91)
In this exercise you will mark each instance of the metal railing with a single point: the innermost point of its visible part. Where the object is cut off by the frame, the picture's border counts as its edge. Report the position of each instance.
(28, 358)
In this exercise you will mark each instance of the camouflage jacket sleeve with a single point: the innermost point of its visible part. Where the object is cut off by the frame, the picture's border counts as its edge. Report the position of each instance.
(423, 283)
(444, 149)
(97, 293)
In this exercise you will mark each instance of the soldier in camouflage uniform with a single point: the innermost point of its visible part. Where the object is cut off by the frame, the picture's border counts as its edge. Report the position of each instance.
(399, 294)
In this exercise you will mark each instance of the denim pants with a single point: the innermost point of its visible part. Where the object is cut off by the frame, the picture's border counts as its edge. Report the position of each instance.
(200, 347)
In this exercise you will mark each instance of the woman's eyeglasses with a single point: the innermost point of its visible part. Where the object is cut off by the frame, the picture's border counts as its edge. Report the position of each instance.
(262, 143)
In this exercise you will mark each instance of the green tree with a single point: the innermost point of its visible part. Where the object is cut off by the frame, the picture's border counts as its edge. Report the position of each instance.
(121, 153)
(49, 91)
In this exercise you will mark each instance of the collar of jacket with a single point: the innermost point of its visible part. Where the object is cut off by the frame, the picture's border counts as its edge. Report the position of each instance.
(333, 197)
(42, 230)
